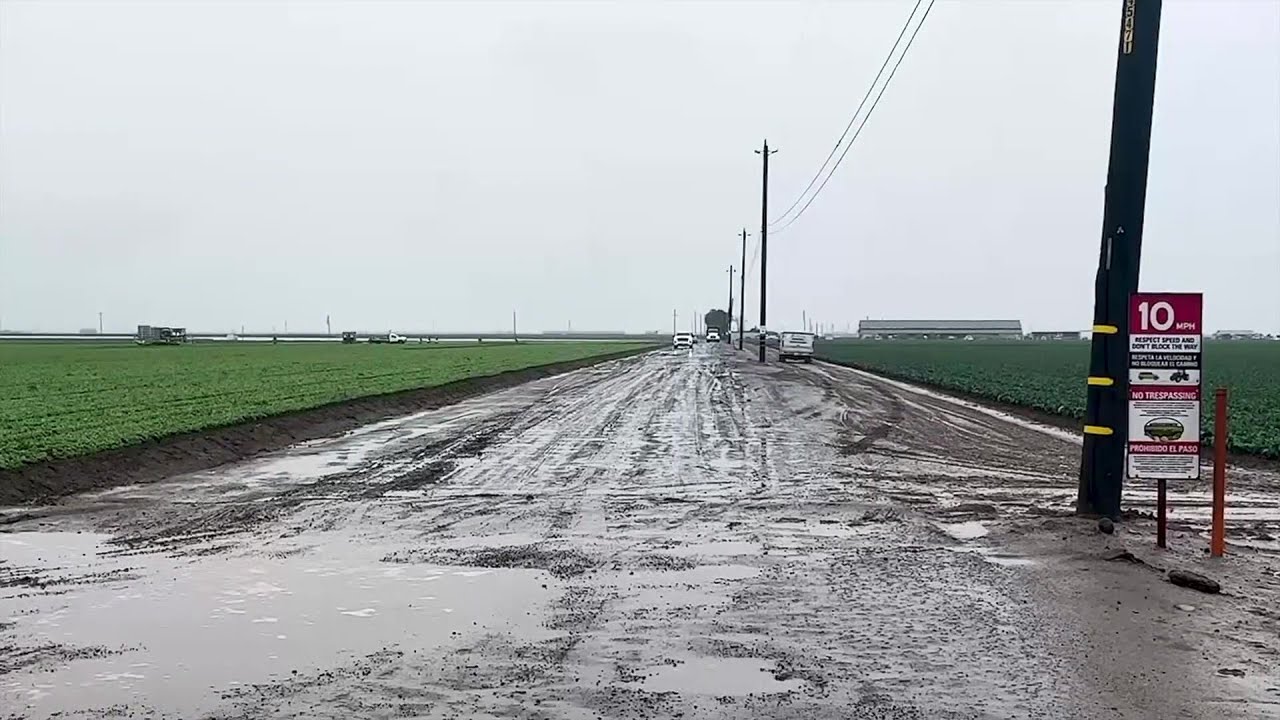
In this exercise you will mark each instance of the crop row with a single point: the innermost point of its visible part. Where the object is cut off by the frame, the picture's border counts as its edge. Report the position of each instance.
(68, 399)
(1049, 376)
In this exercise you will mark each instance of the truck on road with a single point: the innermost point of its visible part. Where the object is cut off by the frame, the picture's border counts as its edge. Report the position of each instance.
(795, 346)
(390, 338)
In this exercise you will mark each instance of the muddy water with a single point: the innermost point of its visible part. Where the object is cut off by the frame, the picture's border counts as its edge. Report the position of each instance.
(676, 535)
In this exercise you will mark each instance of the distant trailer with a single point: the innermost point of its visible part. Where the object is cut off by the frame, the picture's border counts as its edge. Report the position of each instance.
(158, 335)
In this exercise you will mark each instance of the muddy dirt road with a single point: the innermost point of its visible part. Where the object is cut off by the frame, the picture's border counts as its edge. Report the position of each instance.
(675, 535)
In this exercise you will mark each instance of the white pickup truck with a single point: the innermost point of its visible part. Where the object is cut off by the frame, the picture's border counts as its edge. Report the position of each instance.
(795, 346)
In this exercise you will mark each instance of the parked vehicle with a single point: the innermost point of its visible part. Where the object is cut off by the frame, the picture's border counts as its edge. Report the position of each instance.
(390, 339)
(157, 335)
(348, 337)
(713, 335)
(796, 346)
(771, 339)
(682, 341)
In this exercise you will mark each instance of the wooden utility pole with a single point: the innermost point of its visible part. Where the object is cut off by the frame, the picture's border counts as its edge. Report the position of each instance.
(729, 327)
(764, 153)
(1106, 420)
(742, 291)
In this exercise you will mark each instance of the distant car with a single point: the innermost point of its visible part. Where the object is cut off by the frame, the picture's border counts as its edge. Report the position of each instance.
(796, 346)
(771, 339)
(713, 335)
(682, 341)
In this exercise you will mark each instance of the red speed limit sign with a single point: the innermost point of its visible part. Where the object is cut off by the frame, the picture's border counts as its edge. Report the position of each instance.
(1165, 339)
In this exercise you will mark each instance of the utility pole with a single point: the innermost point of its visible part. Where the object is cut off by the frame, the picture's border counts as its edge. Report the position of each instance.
(764, 235)
(729, 329)
(742, 291)
(1106, 420)
(99, 322)
(515, 336)
(673, 323)
(804, 321)
(328, 328)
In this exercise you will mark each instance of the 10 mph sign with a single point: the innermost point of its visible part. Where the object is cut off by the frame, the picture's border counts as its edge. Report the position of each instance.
(1165, 338)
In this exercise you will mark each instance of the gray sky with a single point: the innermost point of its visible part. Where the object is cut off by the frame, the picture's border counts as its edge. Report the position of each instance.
(410, 164)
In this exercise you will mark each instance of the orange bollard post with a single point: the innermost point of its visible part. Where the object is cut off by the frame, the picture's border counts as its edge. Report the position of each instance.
(1217, 537)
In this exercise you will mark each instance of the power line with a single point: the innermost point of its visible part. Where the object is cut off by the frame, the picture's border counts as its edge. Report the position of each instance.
(755, 254)
(866, 117)
(897, 41)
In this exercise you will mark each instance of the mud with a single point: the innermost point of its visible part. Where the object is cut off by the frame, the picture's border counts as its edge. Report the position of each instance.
(674, 535)
(189, 452)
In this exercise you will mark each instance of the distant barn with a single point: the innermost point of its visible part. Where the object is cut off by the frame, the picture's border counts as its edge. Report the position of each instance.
(943, 329)
(1056, 335)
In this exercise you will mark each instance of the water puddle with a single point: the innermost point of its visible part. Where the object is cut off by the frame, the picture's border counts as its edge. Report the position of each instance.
(968, 530)
(718, 677)
(177, 631)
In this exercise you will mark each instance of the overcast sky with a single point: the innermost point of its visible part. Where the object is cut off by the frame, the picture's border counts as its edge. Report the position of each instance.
(411, 165)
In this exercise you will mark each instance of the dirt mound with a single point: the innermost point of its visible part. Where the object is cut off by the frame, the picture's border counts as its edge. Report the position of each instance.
(189, 452)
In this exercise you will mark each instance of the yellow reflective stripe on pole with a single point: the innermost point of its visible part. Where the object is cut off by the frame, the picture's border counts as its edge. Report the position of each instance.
(1106, 329)
(1101, 381)
(1098, 430)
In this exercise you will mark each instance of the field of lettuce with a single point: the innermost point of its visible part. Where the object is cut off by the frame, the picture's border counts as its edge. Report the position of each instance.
(67, 399)
(1049, 376)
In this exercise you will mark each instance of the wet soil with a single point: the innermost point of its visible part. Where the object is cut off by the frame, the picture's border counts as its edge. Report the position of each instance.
(188, 452)
(1058, 420)
(673, 535)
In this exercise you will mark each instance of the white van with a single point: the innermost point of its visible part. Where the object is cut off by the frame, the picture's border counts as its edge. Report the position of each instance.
(796, 346)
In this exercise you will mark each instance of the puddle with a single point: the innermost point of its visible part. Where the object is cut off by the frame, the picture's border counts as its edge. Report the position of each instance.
(186, 629)
(968, 530)
(718, 677)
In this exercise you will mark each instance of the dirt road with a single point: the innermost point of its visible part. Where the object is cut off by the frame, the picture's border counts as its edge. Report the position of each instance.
(675, 535)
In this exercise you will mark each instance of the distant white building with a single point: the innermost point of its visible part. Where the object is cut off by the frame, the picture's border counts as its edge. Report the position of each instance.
(940, 329)
(1238, 335)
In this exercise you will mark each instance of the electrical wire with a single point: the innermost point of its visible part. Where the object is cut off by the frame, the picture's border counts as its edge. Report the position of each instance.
(866, 117)
(755, 254)
(854, 118)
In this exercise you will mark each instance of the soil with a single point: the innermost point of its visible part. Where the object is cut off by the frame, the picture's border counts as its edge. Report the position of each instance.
(1066, 422)
(674, 535)
(189, 452)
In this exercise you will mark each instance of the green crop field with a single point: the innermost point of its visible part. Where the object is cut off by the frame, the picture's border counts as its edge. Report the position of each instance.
(1049, 376)
(67, 399)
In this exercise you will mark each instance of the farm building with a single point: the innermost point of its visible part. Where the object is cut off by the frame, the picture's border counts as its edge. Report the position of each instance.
(1055, 335)
(956, 329)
